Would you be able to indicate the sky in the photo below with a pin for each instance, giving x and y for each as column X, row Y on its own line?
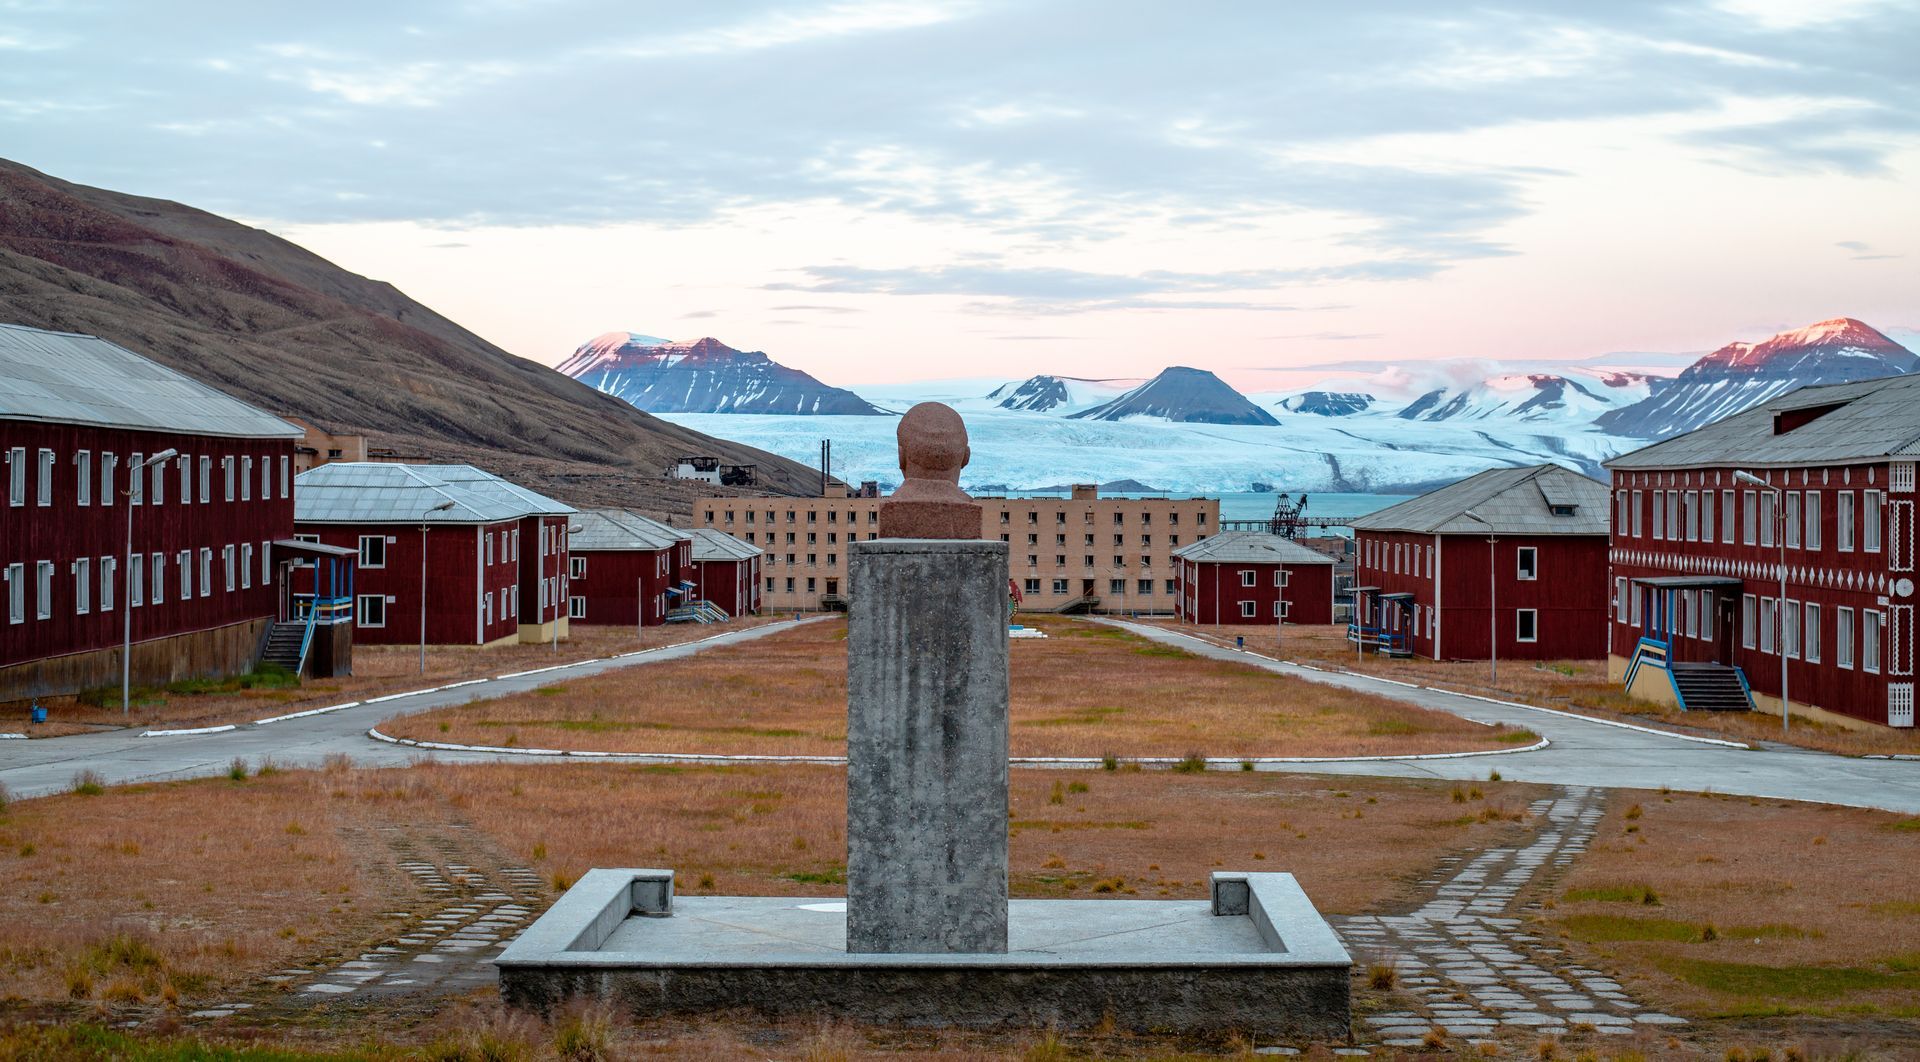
column 880, row 191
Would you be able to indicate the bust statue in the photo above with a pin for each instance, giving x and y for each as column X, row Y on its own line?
column 930, row 503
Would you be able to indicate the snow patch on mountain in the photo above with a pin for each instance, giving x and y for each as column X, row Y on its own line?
column 1185, row 396
column 703, row 376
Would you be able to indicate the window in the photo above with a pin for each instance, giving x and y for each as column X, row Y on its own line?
column 1659, row 514
column 226, row 470
column 246, row 565
column 206, row 479
column 576, row 608
column 1749, row 515
column 1529, row 559
column 1870, row 641
column 1707, row 502
column 1116, row 586
column 107, row 463
column 516, row 545
column 1768, row 506
column 1620, row 499
column 1790, row 628
column 136, row 485
column 1281, row 576
column 107, row 571
column 136, row 580
column 1708, row 601
column 246, row 479
column 1247, row 609
column 1173, row 586
column 1281, row 609
column 266, row 563
column 577, row 567
column 488, row 537
column 82, row 586
column 1843, row 521
column 1638, row 509
column 1746, row 621
column 159, row 484
column 185, row 560
column 1689, row 617
column 286, row 476
column 1620, row 599
column 1526, row 625
column 1726, row 517
column 1673, row 515
column 1843, row 638
column 1690, row 516
column 1247, row 577
column 266, row 479
column 1810, row 620
column 157, row 591
column 1812, row 506
column 1144, row 586
column 1635, row 610
column 370, row 610
column 1793, row 519
column 83, row 477
column 185, row 464
column 1059, row 586
column 1769, row 614
column 486, row 608
column 43, row 590
column 16, row 593
column 1870, row 521
column 44, row 494
column 226, row 558
column 373, row 551
column 1032, row 586
column 17, row 476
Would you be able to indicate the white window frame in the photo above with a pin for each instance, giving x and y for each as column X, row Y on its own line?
column 379, row 540
column 109, row 463
column 1810, row 632
column 227, row 554
column 1793, row 519
column 1620, row 599
column 1526, row 563
column 246, row 565
column 1870, row 623
column 43, row 479
column 1282, row 577
column 1769, row 619
column 1729, row 516
column 1248, row 577
column 360, row 603
column 17, row 476
column 286, row 476
column 109, row 571
column 577, row 565
column 1790, row 627
column 1249, row 609
column 157, row 494
column 206, row 571
column 1531, row 617
column 16, row 593
column 1639, row 513
column 206, row 478
column 157, row 583
column 226, row 471
column 1845, row 530
column 1810, row 512
column 266, row 563
column 1872, row 520
column 1709, row 500
column 136, row 483
column 82, row 585
column 1749, row 621
column 83, row 477
column 1843, row 638
column 136, row 580
column 1769, row 509
column 185, row 463
column 43, row 589
column 1659, row 516
column 266, row 478
column 185, row 560
column 246, row 477
column 1749, row 517
column 576, row 607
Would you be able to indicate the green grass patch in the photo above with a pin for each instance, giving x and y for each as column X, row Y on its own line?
column 1392, row 728
column 834, row 876
column 1639, row 893
column 550, row 691
column 1517, row 737
column 1785, row 983
column 1155, row 649
column 609, row 726
column 1597, row 928
column 1077, row 824
column 1896, row 907
column 1083, row 717
column 1904, row 825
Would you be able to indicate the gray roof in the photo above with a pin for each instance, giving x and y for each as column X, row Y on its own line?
column 711, row 545
column 67, row 378
column 379, row 492
column 620, row 529
column 1514, row 500
column 1876, row 419
column 1255, row 547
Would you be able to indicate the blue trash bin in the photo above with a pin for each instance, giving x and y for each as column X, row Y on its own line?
column 38, row 714
column 1239, row 642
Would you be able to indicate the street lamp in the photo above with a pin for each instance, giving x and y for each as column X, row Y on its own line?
column 126, row 606
column 1493, row 614
column 440, row 508
column 558, row 582
column 1780, row 605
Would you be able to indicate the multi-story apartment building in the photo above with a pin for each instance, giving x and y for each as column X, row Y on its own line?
column 1698, row 552
column 1078, row 552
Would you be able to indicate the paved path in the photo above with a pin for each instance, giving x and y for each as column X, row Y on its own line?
column 43, row 766
column 1589, row 752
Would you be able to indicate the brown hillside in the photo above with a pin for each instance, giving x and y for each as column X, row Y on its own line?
column 283, row 328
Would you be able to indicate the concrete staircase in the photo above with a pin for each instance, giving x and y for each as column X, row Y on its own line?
column 1710, row 688
column 698, row 612
column 284, row 642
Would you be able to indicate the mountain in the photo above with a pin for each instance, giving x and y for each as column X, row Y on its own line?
column 1183, row 395
column 272, row 323
column 1739, row 376
column 1531, row 397
column 1328, row 403
column 1057, row 394
column 703, row 376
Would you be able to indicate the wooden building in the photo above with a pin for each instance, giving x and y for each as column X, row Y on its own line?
column 1512, row 559
column 726, row 572
column 1253, row 577
column 195, row 577
column 1697, row 556
column 446, row 553
column 627, row 569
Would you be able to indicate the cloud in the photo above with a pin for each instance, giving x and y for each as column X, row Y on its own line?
column 805, row 308
column 700, row 313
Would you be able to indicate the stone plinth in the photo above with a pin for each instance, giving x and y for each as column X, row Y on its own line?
column 927, row 747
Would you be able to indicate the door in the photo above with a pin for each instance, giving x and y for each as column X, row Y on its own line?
column 1725, row 623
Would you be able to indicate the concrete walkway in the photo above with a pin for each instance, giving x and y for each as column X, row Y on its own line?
column 1592, row 752
column 41, row 767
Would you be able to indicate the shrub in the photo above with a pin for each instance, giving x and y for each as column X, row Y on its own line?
column 584, row 1037
column 1382, row 975
column 89, row 783
column 1493, row 776
column 5, row 798
column 1058, row 795
column 237, row 770
column 1191, row 763
column 1246, row 765
column 1109, row 762
column 1076, row 787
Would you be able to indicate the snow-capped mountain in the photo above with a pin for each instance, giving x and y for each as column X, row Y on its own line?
column 1531, row 397
column 1185, row 396
column 1328, row 403
column 703, row 376
column 1058, row 394
column 1739, row 376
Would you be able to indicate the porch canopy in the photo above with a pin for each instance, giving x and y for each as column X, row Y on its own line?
column 312, row 550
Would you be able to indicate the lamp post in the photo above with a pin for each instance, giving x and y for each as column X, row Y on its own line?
column 1493, row 589
column 1779, row 605
column 440, row 508
column 558, row 582
column 126, row 606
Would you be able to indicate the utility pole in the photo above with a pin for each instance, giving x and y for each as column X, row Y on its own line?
column 1493, row 590
column 1780, row 605
column 126, row 606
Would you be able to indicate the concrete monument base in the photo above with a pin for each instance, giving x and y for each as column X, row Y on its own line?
column 1258, row 960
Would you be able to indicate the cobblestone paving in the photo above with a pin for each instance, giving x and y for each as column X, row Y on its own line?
column 1467, row 957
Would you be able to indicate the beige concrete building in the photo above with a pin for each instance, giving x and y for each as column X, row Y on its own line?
column 1063, row 554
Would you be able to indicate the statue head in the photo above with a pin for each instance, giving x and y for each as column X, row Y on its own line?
column 933, row 444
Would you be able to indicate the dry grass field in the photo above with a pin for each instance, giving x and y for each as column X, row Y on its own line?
column 1573, row 685
column 1743, row 908
column 1086, row 690
column 378, row 669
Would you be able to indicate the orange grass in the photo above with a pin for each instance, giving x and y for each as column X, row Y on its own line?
column 1812, row 907
column 183, row 888
column 378, row 669
column 1573, row 685
column 1086, row 690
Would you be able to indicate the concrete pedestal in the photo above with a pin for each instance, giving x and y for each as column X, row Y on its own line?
column 927, row 747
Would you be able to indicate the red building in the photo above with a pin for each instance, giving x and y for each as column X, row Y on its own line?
column 491, row 553
column 1253, row 577
column 1513, row 559
column 196, row 579
column 1697, row 557
column 626, row 568
column 726, row 572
